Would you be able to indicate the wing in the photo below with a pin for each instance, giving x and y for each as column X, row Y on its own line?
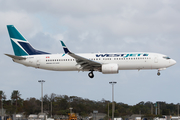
column 86, row 64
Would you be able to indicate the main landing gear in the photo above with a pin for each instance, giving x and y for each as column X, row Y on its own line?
column 91, row 75
column 158, row 73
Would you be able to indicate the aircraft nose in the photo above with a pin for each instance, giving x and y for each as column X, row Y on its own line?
column 173, row 62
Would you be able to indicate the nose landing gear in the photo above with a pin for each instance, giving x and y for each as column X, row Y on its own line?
column 158, row 73
column 91, row 75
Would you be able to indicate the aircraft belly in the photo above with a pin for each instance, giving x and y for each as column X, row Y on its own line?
column 132, row 65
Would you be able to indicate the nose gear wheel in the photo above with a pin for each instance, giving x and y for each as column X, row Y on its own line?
column 158, row 73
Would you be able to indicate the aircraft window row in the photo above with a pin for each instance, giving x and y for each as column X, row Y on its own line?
column 60, row 60
column 103, row 59
column 106, row 58
column 131, row 58
column 94, row 58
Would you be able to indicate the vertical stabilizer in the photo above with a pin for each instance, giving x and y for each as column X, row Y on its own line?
column 20, row 45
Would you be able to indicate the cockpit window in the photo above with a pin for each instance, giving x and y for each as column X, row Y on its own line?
column 165, row 57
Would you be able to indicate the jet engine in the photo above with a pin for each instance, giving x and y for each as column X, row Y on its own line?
column 110, row 68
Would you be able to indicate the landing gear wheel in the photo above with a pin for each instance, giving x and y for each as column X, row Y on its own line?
column 158, row 73
column 91, row 75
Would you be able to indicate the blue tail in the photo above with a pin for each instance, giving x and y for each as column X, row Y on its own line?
column 20, row 45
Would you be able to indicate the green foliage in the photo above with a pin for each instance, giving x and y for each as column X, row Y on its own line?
column 62, row 103
column 31, row 106
column 15, row 97
column 2, row 95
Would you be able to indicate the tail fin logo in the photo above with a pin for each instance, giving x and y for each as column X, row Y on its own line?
column 20, row 45
column 18, row 49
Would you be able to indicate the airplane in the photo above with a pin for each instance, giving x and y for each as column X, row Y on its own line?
column 107, row 63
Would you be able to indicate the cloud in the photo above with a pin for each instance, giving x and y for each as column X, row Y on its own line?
column 22, row 20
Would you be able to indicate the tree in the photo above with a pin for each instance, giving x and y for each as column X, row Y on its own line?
column 15, row 96
column 46, row 103
column 2, row 97
column 51, row 99
column 32, row 106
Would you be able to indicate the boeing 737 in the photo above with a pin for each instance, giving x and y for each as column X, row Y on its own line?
column 107, row 63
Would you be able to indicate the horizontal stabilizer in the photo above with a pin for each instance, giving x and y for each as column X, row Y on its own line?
column 16, row 57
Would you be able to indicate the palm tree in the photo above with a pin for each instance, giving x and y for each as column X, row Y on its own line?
column 15, row 96
column 2, row 96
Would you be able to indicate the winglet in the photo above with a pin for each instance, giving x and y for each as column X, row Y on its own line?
column 66, row 50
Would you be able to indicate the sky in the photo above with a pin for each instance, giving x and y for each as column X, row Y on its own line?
column 89, row 26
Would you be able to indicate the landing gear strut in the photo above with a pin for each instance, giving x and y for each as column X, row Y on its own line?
column 158, row 73
column 91, row 75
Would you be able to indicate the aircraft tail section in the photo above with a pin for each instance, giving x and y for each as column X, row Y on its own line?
column 20, row 45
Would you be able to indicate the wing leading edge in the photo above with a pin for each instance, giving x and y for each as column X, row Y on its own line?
column 86, row 64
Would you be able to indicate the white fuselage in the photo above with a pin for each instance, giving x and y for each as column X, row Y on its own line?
column 125, row 61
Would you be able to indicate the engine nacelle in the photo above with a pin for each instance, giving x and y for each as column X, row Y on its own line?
column 110, row 68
